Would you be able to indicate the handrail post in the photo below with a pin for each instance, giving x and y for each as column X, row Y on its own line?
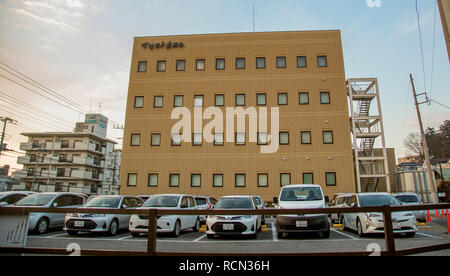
column 152, row 224
column 389, row 231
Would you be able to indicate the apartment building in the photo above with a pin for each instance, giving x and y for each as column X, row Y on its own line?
column 298, row 75
column 82, row 161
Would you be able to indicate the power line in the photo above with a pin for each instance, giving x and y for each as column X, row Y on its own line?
column 421, row 44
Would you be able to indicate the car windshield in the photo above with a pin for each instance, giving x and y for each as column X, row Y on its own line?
column 234, row 203
column 104, row 202
column 162, row 201
column 200, row 201
column 378, row 200
column 36, row 200
column 407, row 198
column 301, row 194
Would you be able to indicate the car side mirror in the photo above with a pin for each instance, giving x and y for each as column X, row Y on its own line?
column 55, row 204
column 3, row 204
column 124, row 206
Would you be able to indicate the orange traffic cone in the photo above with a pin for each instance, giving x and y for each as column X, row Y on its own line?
column 436, row 213
column 428, row 216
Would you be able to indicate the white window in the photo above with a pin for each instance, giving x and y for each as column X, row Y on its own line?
column 240, row 138
column 198, row 101
column 196, row 180
column 240, row 180
column 240, row 99
column 200, row 64
column 262, row 138
column 176, row 139
column 139, row 102
column 135, row 139
column 218, row 139
column 197, row 139
column 158, row 101
column 178, row 101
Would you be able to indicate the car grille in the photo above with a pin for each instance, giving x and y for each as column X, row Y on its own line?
column 238, row 227
column 88, row 224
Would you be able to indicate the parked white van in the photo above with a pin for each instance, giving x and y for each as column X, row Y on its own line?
column 302, row 197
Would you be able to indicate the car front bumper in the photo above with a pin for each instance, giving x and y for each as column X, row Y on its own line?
column 403, row 225
column 164, row 224
column 307, row 224
column 100, row 224
column 243, row 226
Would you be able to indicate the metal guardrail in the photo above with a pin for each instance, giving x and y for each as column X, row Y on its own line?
column 152, row 229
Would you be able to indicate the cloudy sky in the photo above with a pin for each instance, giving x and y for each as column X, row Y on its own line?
column 81, row 49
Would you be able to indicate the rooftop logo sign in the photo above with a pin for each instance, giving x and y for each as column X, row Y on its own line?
column 159, row 45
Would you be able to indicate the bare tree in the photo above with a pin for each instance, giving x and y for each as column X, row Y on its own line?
column 413, row 144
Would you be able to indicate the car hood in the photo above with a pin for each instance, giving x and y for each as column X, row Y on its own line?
column 301, row 204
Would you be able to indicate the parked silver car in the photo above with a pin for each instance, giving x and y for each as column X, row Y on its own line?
column 109, row 223
column 412, row 199
column 10, row 198
column 41, row 222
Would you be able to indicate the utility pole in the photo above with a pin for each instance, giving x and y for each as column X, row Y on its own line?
column 431, row 183
column 5, row 121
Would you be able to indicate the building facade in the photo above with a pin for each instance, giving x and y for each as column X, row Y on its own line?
column 299, row 75
column 82, row 161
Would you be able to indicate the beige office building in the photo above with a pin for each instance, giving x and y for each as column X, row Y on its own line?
column 301, row 73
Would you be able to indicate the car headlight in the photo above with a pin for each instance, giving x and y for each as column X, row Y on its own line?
column 373, row 215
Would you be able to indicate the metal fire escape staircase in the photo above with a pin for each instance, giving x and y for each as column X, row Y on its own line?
column 367, row 127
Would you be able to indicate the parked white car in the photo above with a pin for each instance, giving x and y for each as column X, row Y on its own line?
column 234, row 224
column 339, row 201
column 302, row 197
column 41, row 222
column 173, row 224
column 108, row 223
column 412, row 199
column 369, row 223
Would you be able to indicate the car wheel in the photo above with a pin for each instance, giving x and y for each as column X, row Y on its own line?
column 410, row 234
column 359, row 228
column 136, row 235
column 42, row 226
column 177, row 229
column 279, row 234
column 197, row 225
column 113, row 227
column 72, row 232
column 325, row 234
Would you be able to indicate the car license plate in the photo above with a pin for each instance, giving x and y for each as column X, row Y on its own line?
column 79, row 224
column 228, row 227
column 396, row 226
column 301, row 223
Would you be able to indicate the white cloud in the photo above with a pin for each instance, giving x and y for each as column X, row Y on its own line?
column 61, row 25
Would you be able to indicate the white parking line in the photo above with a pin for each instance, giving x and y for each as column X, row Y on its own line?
column 56, row 235
column 343, row 234
column 124, row 238
column 274, row 232
column 429, row 236
column 199, row 238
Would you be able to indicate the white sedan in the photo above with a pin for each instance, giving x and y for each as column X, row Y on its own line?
column 173, row 224
column 370, row 223
column 234, row 224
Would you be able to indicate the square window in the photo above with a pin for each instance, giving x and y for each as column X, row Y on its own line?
column 198, row 100
column 240, row 138
column 262, row 138
column 135, row 139
column 218, row 180
column 181, row 65
column 198, row 137
column 161, row 66
column 174, row 180
column 200, row 64
column 306, row 137
column 139, row 102
column 218, row 139
column 284, row 138
column 132, row 179
column 328, row 137
column 240, row 99
column 325, row 97
column 260, row 62
column 330, row 178
column 176, row 139
column 303, row 98
column 281, row 62
column 156, row 139
column 219, row 100
column 178, row 101
column 282, row 99
column 153, row 180
column 240, row 63
column 142, row 66
column 308, row 178
column 196, row 180
column 220, row 64
column 261, row 99
column 322, row 61
column 285, row 179
column 239, row 180
column 158, row 103
column 263, row 180
column 301, row 61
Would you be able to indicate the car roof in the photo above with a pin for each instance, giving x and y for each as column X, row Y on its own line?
column 371, row 194
column 16, row 192
column 301, row 185
column 406, row 193
column 237, row 196
column 172, row 195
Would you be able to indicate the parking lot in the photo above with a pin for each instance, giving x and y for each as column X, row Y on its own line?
column 267, row 242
